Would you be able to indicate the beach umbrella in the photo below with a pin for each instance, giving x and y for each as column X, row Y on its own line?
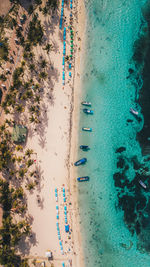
column 62, row 252
column 60, row 243
column 57, row 217
column 67, row 228
column 69, row 65
column 56, row 194
column 57, row 223
column 63, row 194
column 69, row 73
column 57, row 207
column 64, row 199
column 65, row 212
column 59, row 237
column 55, row 189
column 63, row 264
column 65, row 207
column 71, row 41
column 63, row 189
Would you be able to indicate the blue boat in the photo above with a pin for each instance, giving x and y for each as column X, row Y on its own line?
column 87, row 129
column 84, row 147
column 81, row 161
column 84, row 103
column 88, row 111
column 83, row 179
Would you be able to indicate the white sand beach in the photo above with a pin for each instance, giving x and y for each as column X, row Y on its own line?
column 53, row 147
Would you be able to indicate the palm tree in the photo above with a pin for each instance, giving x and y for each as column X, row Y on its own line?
column 32, row 67
column 30, row 162
column 37, row 99
column 45, row 11
column 32, row 119
column 30, row 186
column 43, row 63
column 29, row 152
column 48, row 48
column 19, row 148
column 38, row 2
column 43, row 75
column 19, row 108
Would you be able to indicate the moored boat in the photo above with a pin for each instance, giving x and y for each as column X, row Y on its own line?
column 84, row 147
column 83, row 179
column 85, row 103
column 87, row 129
column 133, row 111
column 80, row 161
column 142, row 184
column 88, row 111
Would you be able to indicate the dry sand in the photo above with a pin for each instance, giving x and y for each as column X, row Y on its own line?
column 58, row 140
column 4, row 7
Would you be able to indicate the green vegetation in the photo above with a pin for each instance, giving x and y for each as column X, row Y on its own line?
column 35, row 33
column 4, row 49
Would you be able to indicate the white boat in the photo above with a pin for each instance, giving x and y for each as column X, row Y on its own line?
column 142, row 184
column 85, row 103
column 133, row 111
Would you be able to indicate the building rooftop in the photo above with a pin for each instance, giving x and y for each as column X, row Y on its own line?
column 19, row 134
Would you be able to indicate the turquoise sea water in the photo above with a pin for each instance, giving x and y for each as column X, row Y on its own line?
column 114, row 209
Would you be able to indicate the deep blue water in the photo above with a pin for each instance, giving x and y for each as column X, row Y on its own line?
column 114, row 208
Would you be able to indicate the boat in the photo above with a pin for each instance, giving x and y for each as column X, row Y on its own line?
column 83, row 179
column 133, row 111
column 142, row 184
column 87, row 129
column 85, row 103
column 80, row 161
column 84, row 147
column 88, row 111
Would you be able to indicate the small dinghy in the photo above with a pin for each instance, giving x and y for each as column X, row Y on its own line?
column 133, row 111
column 87, row 129
column 84, row 147
column 81, row 161
column 83, row 179
column 84, row 103
column 142, row 184
column 88, row 111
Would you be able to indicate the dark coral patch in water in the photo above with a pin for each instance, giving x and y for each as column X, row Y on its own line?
column 120, row 149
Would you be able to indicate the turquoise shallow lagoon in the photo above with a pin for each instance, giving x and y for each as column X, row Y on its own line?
column 114, row 208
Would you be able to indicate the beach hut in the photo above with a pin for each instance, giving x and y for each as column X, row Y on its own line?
column 19, row 134
column 48, row 255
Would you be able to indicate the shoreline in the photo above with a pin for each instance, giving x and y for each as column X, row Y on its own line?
column 79, row 57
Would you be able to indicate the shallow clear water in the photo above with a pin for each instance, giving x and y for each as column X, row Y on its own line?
column 112, row 28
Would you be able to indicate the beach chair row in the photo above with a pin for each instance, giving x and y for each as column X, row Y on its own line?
column 61, row 16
